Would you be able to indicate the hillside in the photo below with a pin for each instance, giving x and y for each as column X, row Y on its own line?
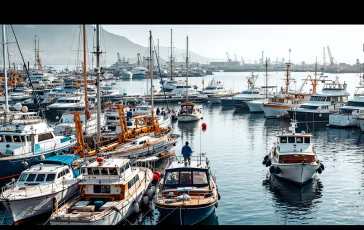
column 58, row 45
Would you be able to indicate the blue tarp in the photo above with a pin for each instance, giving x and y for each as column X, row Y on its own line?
column 60, row 159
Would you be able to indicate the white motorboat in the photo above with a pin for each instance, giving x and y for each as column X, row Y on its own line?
column 42, row 187
column 348, row 115
column 293, row 156
column 110, row 191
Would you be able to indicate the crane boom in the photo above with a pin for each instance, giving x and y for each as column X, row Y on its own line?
column 228, row 57
column 119, row 59
column 330, row 56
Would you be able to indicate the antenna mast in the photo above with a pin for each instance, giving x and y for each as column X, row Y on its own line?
column 288, row 65
column 171, row 56
column 85, row 77
column 187, row 73
column 266, row 77
column 98, row 73
column 5, row 74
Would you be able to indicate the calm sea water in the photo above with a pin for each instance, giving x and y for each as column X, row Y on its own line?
column 236, row 142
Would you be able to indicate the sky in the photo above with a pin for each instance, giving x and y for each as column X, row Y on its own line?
column 248, row 41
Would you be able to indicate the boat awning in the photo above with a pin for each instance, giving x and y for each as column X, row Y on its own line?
column 60, row 159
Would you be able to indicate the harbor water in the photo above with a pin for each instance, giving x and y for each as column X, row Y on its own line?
column 236, row 142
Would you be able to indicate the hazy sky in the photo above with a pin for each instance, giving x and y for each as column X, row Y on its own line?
column 248, row 41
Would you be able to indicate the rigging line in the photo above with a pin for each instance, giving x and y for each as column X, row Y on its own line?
column 31, row 84
column 74, row 32
column 160, row 75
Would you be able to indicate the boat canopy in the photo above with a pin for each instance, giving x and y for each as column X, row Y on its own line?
column 60, row 159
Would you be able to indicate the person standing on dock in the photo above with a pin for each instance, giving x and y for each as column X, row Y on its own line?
column 158, row 111
column 187, row 153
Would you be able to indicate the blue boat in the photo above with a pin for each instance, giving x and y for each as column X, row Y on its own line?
column 187, row 193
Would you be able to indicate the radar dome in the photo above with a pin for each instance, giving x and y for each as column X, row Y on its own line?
column 18, row 106
column 24, row 109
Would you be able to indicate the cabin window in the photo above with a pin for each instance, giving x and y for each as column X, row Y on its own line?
column 8, row 138
column 104, row 171
column 22, row 138
column 172, row 178
column 185, row 178
column 16, row 138
column 298, row 139
column 283, row 139
column 23, row 177
column 66, row 171
column 96, row 171
column 291, row 139
column 51, row 177
column 127, row 167
column 45, row 136
column 31, row 177
column 28, row 138
column 60, row 174
column 133, row 181
column 40, row 177
column 121, row 170
column 199, row 177
column 101, row 188
column 113, row 171
column 2, row 139
column 89, row 171
column 307, row 140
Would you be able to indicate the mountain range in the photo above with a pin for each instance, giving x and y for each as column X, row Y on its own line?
column 63, row 45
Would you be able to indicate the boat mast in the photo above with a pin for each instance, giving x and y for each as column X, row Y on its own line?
column 266, row 77
column 151, row 73
column 315, row 81
column 98, row 72
column 171, row 56
column 187, row 72
column 288, row 65
column 5, row 74
column 85, row 76
column 35, row 52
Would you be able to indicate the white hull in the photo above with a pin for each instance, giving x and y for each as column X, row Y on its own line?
column 340, row 120
column 271, row 112
column 255, row 106
column 21, row 209
column 188, row 118
column 297, row 173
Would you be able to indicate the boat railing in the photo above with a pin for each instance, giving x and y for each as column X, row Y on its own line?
column 33, row 189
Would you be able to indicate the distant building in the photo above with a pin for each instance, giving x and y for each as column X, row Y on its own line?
column 225, row 64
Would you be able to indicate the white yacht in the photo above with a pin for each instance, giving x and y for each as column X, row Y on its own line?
column 139, row 72
column 69, row 103
column 348, row 115
column 293, row 156
column 215, row 87
column 332, row 97
column 66, row 124
column 189, row 112
column 110, row 191
column 25, row 138
column 178, row 87
column 41, row 187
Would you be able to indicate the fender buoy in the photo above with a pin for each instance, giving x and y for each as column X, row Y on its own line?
column 271, row 169
column 277, row 170
column 217, row 204
column 218, row 196
column 264, row 162
column 266, row 157
column 158, row 173
column 269, row 162
column 136, row 208
column 322, row 166
column 319, row 170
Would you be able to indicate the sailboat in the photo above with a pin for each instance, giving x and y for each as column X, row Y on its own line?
column 145, row 139
column 188, row 112
column 66, row 123
column 25, row 137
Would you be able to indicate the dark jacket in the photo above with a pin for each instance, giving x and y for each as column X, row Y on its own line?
column 186, row 151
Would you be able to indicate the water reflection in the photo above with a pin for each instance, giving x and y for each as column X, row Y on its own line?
column 188, row 129
column 339, row 135
column 210, row 220
column 293, row 201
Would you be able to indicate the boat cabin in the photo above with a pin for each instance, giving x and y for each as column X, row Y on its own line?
column 108, row 180
column 294, row 148
column 188, row 107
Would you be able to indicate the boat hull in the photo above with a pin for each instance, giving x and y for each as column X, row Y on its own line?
column 297, row 173
column 185, row 215
column 275, row 111
column 139, row 76
column 23, row 210
column 340, row 120
column 361, row 124
column 310, row 117
column 226, row 102
column 255, row 107
column 188, row 118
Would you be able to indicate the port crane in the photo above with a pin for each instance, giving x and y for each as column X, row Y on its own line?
column 119, row 59
column 242, row 61
column 228, row 57
column 330, row 56
column 139, row 59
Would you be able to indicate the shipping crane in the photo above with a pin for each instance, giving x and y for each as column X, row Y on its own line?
column 330, row 56
column 242, row 61
column 228, row 57
column 119, row 59
column 138, row 57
